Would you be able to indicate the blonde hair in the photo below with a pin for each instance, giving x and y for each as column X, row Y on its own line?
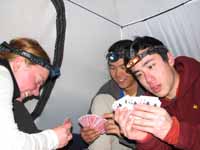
column 26, row 44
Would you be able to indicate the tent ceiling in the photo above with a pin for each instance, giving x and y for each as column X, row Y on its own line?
column 124, row 12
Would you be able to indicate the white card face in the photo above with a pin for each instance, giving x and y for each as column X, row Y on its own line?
column 151, row 100
column 130, row 101
column 133, row 100
column 116, row 105
column 120, row 103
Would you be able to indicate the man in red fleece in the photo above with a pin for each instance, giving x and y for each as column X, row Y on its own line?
column 176, row 124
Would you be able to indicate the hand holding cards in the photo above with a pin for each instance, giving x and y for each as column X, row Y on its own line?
column 93, row 121
column 129, row 101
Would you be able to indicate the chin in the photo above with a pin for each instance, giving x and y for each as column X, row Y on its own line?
column 122, row 86
column 20, row 99
column 161, row 95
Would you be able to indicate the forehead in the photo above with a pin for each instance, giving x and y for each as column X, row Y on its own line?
column 119, row 62
column 41, row 71
column 146, row 60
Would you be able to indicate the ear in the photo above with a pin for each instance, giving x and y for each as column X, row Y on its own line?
column 17, row 63
column 170, row 58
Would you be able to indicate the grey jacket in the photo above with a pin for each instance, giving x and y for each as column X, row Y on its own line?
column 111, row 87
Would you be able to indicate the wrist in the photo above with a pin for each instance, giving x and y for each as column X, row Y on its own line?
column 173, row 134
column 146, row 138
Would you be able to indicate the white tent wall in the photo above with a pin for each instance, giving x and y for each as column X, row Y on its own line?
column 29, row 19
column 178, row 29
column 88, row 36
column 84, row 68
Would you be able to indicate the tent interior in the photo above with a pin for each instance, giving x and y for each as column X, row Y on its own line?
column 91, row 27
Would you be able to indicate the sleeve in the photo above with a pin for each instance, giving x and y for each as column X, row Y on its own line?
column 103, row 104
column 127, row 142
column 110, row 88
column 189, row 133
column 189, row 136
column 10, row 137
column 153, row 144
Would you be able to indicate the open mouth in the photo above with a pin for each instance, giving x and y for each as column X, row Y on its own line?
column 156, row 89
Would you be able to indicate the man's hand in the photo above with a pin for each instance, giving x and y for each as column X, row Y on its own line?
column 63, row 133
column 111, row 126
column 125, row 120
column 89, row 134
column 155, row 120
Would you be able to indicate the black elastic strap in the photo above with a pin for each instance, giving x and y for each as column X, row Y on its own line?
column 58, row 56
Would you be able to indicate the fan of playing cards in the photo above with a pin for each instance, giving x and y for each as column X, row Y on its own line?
column 129, row 101
column 93, row 121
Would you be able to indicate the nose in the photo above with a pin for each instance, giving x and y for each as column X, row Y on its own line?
column 120, row 72
column 149, row 78
column 36, row 92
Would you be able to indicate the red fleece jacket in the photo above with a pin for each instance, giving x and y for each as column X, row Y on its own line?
column 185, row 107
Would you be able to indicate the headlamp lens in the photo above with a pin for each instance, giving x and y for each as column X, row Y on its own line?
column 112, row 57
column 133, row 62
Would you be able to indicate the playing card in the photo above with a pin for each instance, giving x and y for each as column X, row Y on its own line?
column 83, row 120
column 99, row 125
column 121, row 103
column 130, row 101
column 150, row 100
column 133, row 100
column 93, row 121
column 116, row 105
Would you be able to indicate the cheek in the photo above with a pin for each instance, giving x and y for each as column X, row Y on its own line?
column 130, row 78
column 27, row 82
column 112, row 73
column 144, row 83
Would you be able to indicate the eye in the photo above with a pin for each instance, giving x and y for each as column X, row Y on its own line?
column 39, row 81
column 123, row 67
column 111, row 67
column 151, row 66
column 138, row 75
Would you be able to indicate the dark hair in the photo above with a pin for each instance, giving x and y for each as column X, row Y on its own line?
column 140, row 43
column 122, row 45
column 118, row 50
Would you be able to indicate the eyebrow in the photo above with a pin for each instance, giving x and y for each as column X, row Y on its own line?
column 115, row 66
column 136, row 71
column 147, row 62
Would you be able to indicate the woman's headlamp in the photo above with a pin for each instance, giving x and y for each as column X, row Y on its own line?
column 135, row 58
column 54, row 72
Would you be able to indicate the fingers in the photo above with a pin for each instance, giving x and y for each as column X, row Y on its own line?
column 121, row 117
column 145, row 118
column 128, row 128
column 108, row 115
column 112, row 128
column 148, row 108
column 63, row 133
column 109, row 123
column 67, row 124
column 69, row 137
column 89, row 134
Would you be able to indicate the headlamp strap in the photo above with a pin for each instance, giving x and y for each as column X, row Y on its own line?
column 54, row 72
column 138, row 57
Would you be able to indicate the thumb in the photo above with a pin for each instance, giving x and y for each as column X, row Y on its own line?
column 67, row 123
